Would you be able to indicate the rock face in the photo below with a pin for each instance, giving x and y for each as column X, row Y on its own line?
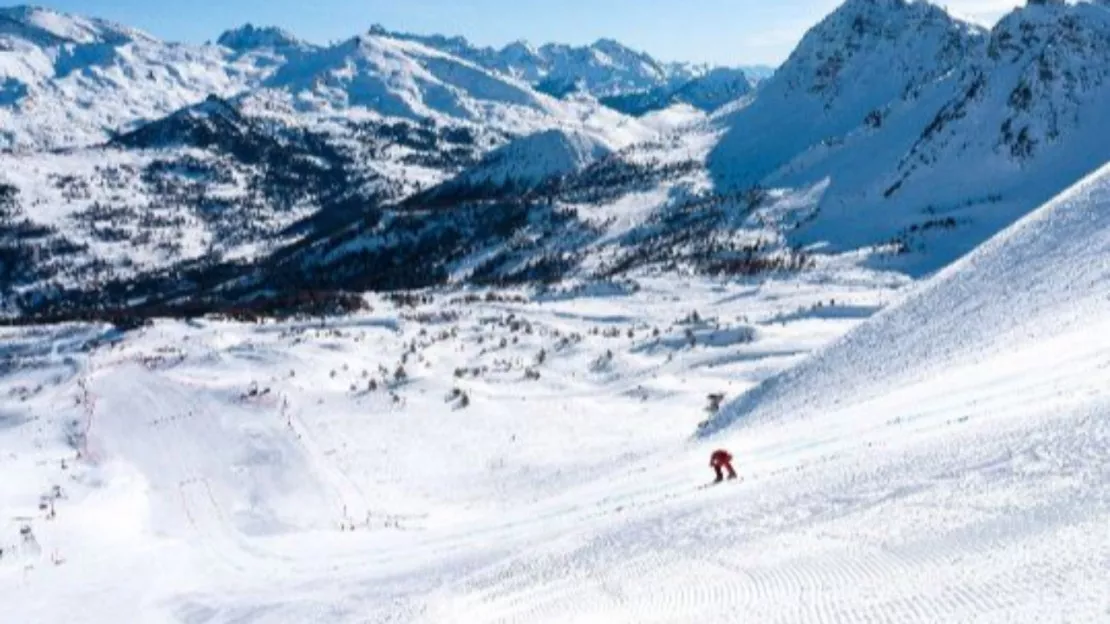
column 249, row 37
column 1040, row 86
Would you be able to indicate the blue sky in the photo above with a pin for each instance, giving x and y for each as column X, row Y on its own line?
column 720, row 31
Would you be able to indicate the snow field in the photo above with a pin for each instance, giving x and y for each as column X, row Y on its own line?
column 184, row 471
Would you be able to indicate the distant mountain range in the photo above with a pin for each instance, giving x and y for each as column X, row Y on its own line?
column 67, row 80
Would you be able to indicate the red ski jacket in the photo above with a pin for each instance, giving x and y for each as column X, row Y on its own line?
column 720, row 458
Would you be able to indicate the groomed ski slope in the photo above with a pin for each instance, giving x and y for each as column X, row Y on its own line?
column 947, row 460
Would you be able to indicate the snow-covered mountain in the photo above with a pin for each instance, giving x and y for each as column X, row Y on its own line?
column 205, row 184
column 68, row 81
column 1030, row 113
column 630, row 81
column 707, row 93
column 396, row 78
column 716, row 88
column 206, row 178
column 266, row 48
column 603, row 68
column 864, row 56
column 209, row 184
column 529, row 161
column 894, row 136
column 757, row 73
column 958, row 150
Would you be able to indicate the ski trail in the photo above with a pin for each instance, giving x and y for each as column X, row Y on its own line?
column 352, row 501
column 811, row 556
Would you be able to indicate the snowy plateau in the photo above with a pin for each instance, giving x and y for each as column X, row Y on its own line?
column 402, row 329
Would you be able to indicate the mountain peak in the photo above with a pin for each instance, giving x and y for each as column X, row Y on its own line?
column 871, row 5
column 605, row 67
column 606, row 43
column 881, row 9
column 863, row 57
column 457, row 45
column 912, row 41
column 251, row 37
column 519, row 49
column 1032, row 26
column 44, row 26
column 617, row 50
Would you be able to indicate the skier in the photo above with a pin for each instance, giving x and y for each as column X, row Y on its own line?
column 721, row 459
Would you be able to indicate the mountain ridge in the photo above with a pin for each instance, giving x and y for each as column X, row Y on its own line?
column 896, row 137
